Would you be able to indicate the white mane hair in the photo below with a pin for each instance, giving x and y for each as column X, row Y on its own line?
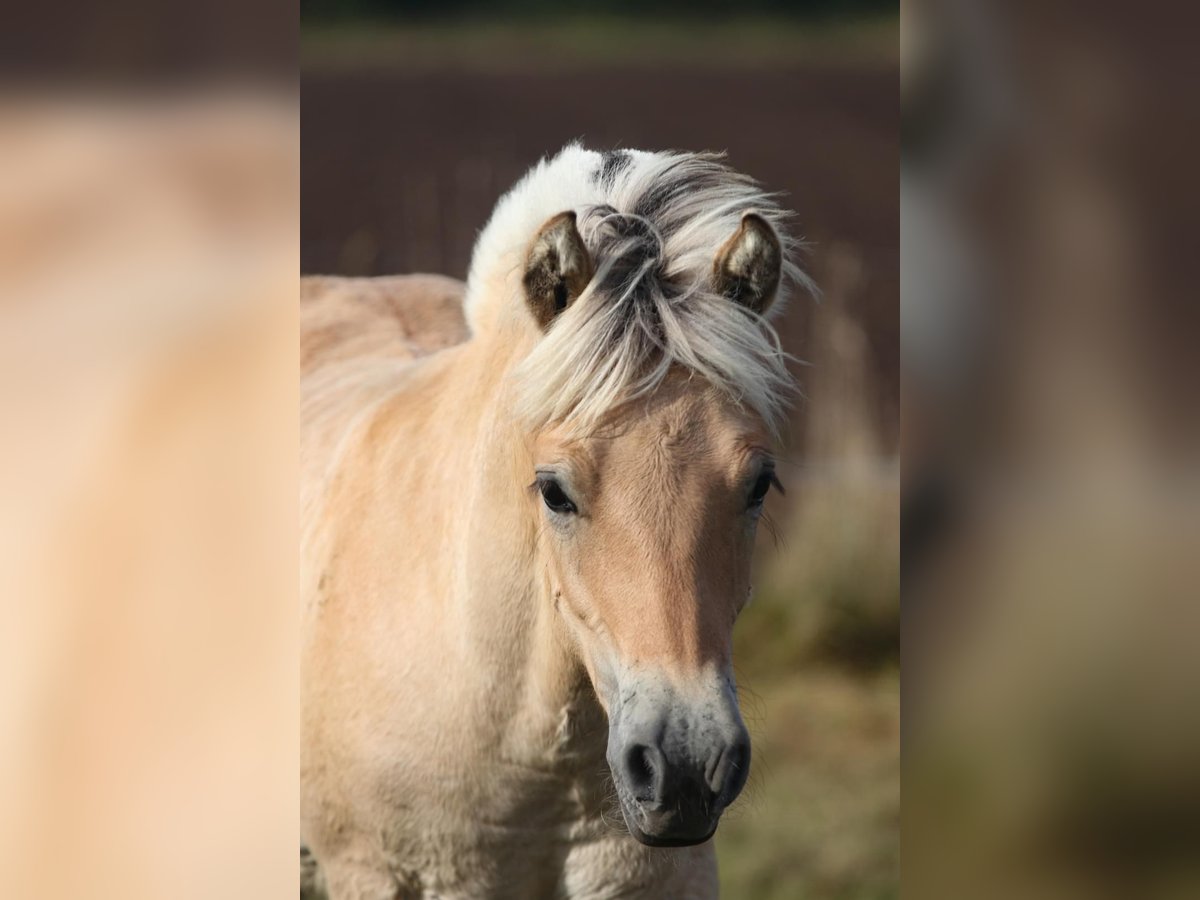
column 653, row 224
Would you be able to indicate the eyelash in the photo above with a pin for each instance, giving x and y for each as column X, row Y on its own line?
column 762, row 486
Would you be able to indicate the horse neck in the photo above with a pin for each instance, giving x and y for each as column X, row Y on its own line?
column 517, row 640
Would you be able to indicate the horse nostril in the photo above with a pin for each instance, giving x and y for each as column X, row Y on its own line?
column 643, row 771
column 728, row 775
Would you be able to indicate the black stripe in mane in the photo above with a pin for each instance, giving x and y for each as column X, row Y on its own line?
column 612, row 164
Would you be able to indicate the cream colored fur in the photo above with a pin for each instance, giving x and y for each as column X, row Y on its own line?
column 458, row 648
column 452, row 746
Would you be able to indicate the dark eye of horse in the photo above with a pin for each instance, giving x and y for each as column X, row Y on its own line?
column 555, row 497
column 761, row 486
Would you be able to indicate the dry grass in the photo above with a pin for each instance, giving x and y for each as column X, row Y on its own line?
column 821, row 815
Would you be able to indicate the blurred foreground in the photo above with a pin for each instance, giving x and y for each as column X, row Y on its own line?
column 148, row 530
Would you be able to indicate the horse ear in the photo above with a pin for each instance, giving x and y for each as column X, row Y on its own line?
column 748, row 266
column 557, row 268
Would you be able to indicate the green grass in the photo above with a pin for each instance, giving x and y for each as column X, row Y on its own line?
column 482, row 44
column 830, row 591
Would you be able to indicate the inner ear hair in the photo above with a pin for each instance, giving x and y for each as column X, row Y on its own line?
column 557, row 268
column 748, row 266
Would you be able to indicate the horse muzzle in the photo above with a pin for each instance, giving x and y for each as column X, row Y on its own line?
column 677, row 761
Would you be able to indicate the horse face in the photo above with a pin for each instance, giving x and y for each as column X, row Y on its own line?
column 647, row 533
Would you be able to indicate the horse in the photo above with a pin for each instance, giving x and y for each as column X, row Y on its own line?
column 528, row 511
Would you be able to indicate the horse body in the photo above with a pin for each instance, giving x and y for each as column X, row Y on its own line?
column 501, row 791
column 467, row 684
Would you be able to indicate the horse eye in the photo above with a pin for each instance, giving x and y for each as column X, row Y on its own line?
column 761, row 486
column 555, row 497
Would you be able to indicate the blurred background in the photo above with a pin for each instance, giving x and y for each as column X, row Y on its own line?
column 418, row 116
column 1051, row 485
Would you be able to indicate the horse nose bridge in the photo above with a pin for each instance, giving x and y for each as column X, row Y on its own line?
column 679, row 622
column 683, row 595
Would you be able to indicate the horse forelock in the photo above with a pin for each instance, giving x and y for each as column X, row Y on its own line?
column 653, row 224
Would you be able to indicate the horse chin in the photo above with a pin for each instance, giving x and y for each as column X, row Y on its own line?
column 667, row 840
column 669, row 837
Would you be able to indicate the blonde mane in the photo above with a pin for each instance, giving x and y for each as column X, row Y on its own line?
column 653, row 224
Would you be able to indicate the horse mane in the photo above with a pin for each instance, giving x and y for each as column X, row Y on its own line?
column 653, row 223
